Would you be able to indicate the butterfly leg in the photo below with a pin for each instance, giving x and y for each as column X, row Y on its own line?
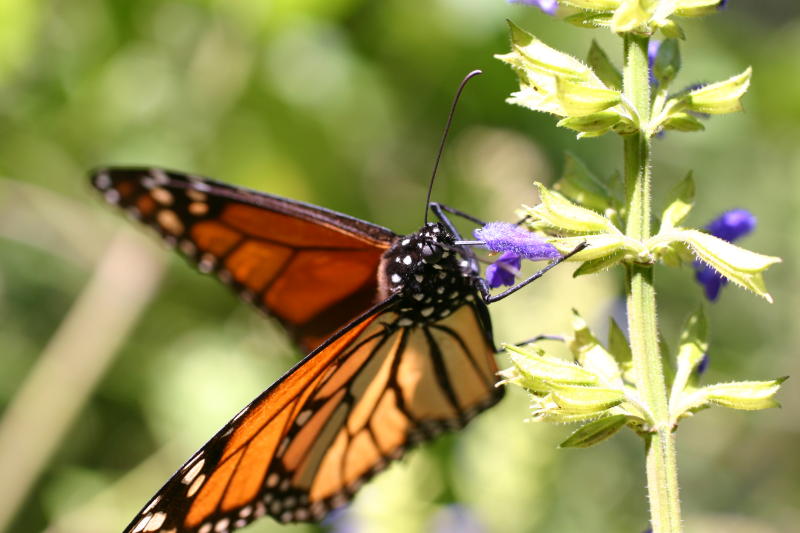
column 490, row 298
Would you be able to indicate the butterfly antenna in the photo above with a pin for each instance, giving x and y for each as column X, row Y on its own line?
column 444, row 137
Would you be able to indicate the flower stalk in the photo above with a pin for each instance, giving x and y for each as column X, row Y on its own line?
column 662, row 475
column 625, row 383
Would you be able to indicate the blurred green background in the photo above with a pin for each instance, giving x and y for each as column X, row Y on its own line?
column 118, row 360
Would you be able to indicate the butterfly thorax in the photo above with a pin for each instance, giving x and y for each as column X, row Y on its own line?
column 429, row 274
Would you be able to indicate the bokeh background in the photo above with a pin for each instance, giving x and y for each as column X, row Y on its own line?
column 117, row 360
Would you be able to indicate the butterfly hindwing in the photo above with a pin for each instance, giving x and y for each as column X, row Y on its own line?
column 306, row 444
column 312, row 268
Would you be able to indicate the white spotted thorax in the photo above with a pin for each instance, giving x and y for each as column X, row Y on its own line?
column 427, row 271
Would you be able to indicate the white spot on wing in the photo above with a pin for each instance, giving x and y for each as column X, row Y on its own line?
column 102, row 181
column 194, row 487
column 111, row 196
column 155, row 523
column 193, row 471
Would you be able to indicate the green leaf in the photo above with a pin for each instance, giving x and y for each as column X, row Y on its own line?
column 595, row 432
column 721, row 97
column 617, row 343
column 683, row 195
column 603, row 67
column 668, row 62
column 580, row 185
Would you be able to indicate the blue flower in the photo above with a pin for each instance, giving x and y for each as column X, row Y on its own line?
column 504, row 270
column 516, row 244
column 702, row 365
column 505, row 237
column 652, row 53
column 548, row 6
column 730, row 226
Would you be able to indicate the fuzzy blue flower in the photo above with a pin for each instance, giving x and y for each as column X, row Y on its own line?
column 503, row 271
column 505, row 237
column 516, row 244
column 730, row 226
column 548, row 6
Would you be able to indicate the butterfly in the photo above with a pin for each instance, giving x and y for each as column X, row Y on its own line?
column 398, row 330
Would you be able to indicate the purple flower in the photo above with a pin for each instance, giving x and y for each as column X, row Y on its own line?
column 548, row 6
column 505, row 237
column 504, row 270
column 702, row 365
column 652, row 53
column 722, row 4
column 730, row 226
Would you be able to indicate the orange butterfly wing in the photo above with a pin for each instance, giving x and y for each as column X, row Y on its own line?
column 311, row 268
column 306, row 444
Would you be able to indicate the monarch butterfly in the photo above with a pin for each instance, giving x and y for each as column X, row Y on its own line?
column 398, row 330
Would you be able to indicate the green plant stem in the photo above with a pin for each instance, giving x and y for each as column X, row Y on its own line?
column 662, row 475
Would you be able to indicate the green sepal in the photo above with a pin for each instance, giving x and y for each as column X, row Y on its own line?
column 718, row 98
column 581, row 399
column 740, row 266
column 601, row 246
column 598, row 265
column 693, row 347
column 744, row 395
column 603, row 67
column 696, row 8
column 560, row 213
column 592, row 125
column 672, row 30
column 591, row 355
column 590, row 19
column 679, row 208
column 595, row 432
column 579, row 98
column 580, row 185
column 668, row 62
column 593, row 5
column 533, row 368
column 630, row 16
column 681, row 121
column 618, row 344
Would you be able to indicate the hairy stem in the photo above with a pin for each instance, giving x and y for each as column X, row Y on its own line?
column 662, row 475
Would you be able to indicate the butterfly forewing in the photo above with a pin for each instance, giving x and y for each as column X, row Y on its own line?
column 341, row 415
column 312, row 268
